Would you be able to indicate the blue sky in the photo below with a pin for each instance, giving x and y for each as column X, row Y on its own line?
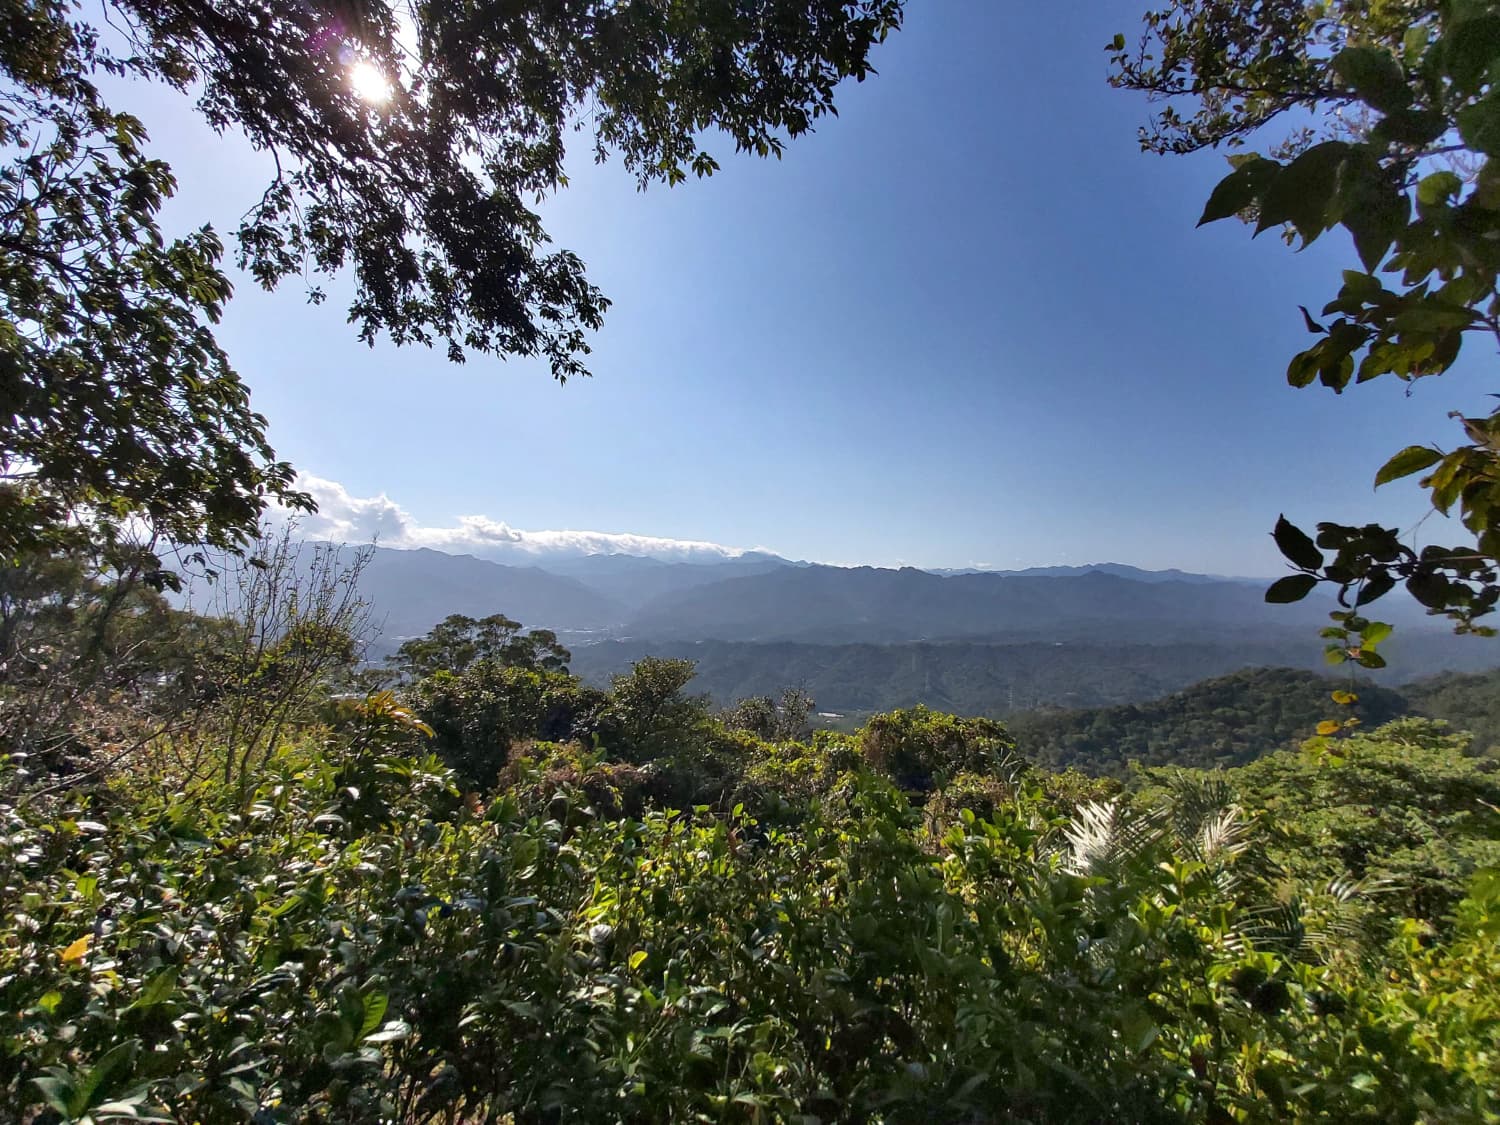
column 967, row 322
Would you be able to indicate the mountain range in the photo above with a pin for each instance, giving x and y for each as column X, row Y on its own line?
column 760, row 597
column 863, row 638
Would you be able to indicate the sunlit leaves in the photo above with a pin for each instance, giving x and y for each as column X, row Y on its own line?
column 1402, row 118
column 870, row 959
column 1412, row 459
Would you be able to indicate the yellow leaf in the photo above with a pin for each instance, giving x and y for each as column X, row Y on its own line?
column 1329, row 726
column 74, row 953
column 1345, row 697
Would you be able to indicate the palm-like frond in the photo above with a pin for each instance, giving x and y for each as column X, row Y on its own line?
column 1106, row 836
column 1312, row 926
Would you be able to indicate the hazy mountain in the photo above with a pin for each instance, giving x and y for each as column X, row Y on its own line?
column 841, row 605
column 411, row 591
column 1119, row 570
column 634, row 580
column 762, row 598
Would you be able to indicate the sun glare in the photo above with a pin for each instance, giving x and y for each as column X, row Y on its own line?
column 367, row 81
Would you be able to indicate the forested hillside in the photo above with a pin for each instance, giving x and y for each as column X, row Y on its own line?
column 1237, row 718
column 1470, row 703
column 999, row 680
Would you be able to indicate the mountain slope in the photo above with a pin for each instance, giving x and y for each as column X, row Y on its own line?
column 1000, row 679
column 633, row 581
column 865, row 604
column 411, row 591
column 1225, row 721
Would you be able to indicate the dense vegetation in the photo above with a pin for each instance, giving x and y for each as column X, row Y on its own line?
column 1237, row 718
column 498, row 892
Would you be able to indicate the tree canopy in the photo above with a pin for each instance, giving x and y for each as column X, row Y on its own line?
column 1392, row 116
column 459, row 641
column 411, row 143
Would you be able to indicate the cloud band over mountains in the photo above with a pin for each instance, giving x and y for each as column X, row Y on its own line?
column 344, row 518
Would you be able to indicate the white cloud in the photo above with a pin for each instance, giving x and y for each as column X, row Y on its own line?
column 343, row 518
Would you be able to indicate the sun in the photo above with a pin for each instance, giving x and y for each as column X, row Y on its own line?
column 367, row 81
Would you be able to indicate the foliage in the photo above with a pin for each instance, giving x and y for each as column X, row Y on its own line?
column 650, row 715
column 1467, row 703
column 459, row 641
column 93, row 660
column 775, row 720
column 479, row 713
column 1404, row 118
column 290, row 623
column 353, row 943
column 410, row 144
column 1235, row 719
column 1224, row 721
column 1401, row 810
column 118, row 400
column 921, row 749
column 1001, row 680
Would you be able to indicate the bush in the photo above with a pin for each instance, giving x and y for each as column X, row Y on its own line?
column 354, row 943
column 916, row 747
column 477, row 714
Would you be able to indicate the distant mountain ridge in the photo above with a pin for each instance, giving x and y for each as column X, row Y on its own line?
column 758, row 597
column 1119, row 570
column 410, row 591
column 867, row 604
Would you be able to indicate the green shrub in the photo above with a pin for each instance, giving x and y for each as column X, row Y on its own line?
column 478, row 713
column 355, row 943
column 916, row 747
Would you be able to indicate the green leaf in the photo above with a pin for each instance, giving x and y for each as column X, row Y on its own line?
column 1479, row 125
column 157, row 989
column 1375, row 212
column 97, row 1079
column 1469, row 50
column 1239, row 189
column 1137, row 1030
column 1301, row 192
column 1412, row 459
column 1416, row 127
column 57, row 1089
column 1303, row 369
column 1373, row 633
column 1369, row 658
column 1292, row 588
column 1294, row 543
column 637, row 959
column 1429, row 589
column 1438, row 188
column 1376, row 587
column 375, row 1004
column 1375, row 77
